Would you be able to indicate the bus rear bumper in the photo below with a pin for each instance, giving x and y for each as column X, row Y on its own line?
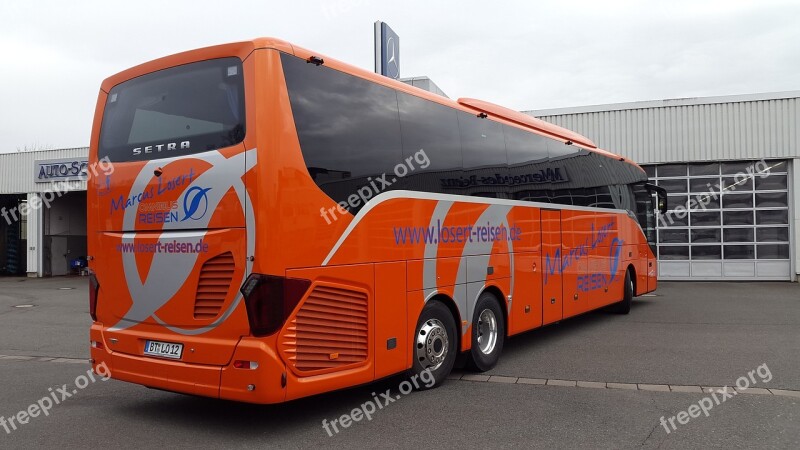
column 264, row 383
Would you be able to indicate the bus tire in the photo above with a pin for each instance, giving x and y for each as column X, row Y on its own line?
column 488, row 333
column 435, row 346
column 624, row 306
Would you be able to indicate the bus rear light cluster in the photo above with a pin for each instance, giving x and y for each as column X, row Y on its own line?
column 94, row 288
column 270, row 300
column 98, row 345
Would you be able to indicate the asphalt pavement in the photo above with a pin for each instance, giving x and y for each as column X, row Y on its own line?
column 608, row 381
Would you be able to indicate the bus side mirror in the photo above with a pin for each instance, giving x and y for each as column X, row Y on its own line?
column 662, row 204
column 660, row 198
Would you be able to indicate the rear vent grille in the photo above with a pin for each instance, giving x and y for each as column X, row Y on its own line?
column 213, row 287
column 329, row 331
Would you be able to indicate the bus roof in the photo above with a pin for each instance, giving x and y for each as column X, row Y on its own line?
column 525, row 120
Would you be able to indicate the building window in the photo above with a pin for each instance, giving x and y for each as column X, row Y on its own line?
column 734, row 212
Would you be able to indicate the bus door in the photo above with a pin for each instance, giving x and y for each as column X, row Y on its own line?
column 551, row 264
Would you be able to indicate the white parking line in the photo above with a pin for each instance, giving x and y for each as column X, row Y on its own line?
column 45, row 359
column 478, row 378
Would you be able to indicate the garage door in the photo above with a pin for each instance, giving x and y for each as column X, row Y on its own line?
column 727, row 221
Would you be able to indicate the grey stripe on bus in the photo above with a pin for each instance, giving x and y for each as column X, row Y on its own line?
column 250, row 227
column 391, row 195
column 169, row 271
column 475, row 267
column 429, row 280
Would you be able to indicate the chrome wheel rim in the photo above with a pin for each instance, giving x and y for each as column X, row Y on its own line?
column 432, row 344
column 487, row 331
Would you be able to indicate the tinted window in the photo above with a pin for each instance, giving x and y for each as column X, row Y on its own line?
column 482, row 143
column 737, row 184
column 351, row 129
column 433, row 129
column 673, row 186
column 704, row 169
column 733, row 168
column 616, row 196
column 706, row 252
column 584, row 197
column 669, row 253
column 704, row 185
column 702, row 219
column 739, row 252
column 737, row 218
column 772, row 217
column 524, row 147
column 483, row 153
column 673, row 236
column 737, row 200
column 772, row 234
column 675, row 201
column 706, row 235
column 738, row 235
column 529, row 166
column 671, row 170
column 348, row 127
column 561, row 196
column 178, row 111
column 773, row 251
column 533, row 196
column 772, row 182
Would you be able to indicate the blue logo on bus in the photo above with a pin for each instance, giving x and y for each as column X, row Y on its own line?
column 557, row 263
column 195, row 203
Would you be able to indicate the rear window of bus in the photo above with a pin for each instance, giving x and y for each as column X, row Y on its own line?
column 175, row 112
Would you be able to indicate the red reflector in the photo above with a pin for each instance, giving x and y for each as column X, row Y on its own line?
column 239, row 364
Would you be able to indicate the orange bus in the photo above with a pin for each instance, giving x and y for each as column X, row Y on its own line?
column 280, row 224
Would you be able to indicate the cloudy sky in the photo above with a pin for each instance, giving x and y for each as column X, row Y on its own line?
column 522, row 54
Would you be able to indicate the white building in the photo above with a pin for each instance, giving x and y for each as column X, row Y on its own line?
column 50, row 186
column 749, row 228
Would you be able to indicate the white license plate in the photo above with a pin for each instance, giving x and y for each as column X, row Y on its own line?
column 163, row 349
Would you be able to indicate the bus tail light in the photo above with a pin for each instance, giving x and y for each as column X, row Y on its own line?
column 270, row 300
column 94, row 288
column 240, row 364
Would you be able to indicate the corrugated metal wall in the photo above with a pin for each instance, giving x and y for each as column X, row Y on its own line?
column 690, row 129
column 16, row 170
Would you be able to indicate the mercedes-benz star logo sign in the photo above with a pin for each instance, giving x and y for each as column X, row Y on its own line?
column 392, row 70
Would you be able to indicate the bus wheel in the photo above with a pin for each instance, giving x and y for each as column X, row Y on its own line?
column 435, row 344
column 624, row 307
column 488, row 333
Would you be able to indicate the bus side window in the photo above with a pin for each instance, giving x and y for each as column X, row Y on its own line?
column 430, row 134
column 484, row 155
column 645, row 212
column 348, row 127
